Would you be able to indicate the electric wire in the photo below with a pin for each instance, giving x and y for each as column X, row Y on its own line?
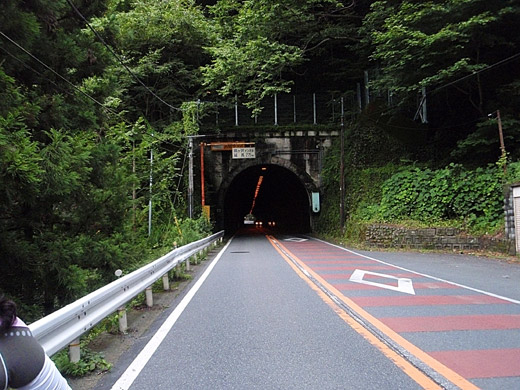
column 437, row 89
column 119, row 59
column 106, row 110
column 433, row 91
column 53, row 71
column 501, row 62
column 32, row 69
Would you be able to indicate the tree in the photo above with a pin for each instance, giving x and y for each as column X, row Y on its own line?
column 259, row 46
column 430, row 44
column 158, row 46
column 460, row 51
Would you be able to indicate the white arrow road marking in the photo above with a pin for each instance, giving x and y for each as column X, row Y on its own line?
column 404, row 285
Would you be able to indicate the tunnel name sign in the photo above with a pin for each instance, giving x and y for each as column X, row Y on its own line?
column 244, row 153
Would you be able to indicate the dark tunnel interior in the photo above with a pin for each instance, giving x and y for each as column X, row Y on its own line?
column 281, row 203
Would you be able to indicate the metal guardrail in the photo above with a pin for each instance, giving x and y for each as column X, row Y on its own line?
column 59, row 329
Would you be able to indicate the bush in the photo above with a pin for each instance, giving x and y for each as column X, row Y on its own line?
column 453, row 193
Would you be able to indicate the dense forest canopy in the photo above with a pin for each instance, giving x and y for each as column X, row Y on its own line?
column 90, row 90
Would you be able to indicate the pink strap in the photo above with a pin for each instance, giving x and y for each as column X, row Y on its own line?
column 18, row 322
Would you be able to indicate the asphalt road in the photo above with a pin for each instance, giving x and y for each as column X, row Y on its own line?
column 277, row 313
column 493, row 275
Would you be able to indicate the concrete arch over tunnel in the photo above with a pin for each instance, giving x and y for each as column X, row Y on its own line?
column 283, row 196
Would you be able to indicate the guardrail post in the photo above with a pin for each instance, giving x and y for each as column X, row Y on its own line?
column 166, row 282
column 74, row 351
column 123, row 321
column 188, row 264
column 53, row 332
column 149, row 297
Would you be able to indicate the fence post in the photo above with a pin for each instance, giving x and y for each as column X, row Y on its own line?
column 74, row 351
column 358, row 96
column 314, row 108
column 367, row 89
column 276, row 109
column 294, row 108
column 166, row 282
column 216, row 113
column 236, row 110
column 123, row 321
column 149, row 296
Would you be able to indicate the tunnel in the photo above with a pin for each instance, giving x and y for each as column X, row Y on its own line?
column 273, row 194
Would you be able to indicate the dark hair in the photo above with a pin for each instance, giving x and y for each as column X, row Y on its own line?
column 7, row 313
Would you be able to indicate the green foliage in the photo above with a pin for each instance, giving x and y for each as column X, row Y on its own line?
column 513, row 173
column 463, row 53
column 75, row 177
column 363, row 193
column 256, row 43
column 90, row 361
column 69, row 216
column 371, row 156
column 252, row 69
column 483, row 145
column 162, row 45
column 453, row 193
column 439, row 40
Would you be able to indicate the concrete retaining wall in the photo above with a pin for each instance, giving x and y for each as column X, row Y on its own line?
column 388, row 236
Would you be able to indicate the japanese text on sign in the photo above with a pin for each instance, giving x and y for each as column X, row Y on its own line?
column 244, row 153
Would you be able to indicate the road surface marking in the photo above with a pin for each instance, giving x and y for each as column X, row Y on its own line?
column 413, row 372
column 418, row 353
column 296, row 239
column 404, row 285
column 425, row 275
column 135, row 368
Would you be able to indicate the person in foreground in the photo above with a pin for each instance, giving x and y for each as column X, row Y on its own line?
column 23, row 362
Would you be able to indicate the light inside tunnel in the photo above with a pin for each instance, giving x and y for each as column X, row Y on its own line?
column 278, row 194
column 260, row 179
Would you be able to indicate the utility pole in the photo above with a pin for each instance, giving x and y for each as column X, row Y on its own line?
column 150, row 200
column 190, row 177
column 342, row 168
column 202, row 190
column 501, row 135
column 190, row 173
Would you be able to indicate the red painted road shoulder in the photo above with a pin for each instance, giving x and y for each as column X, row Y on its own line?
column 336, row 266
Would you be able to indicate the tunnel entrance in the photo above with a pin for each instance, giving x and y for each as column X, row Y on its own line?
column 273, row 194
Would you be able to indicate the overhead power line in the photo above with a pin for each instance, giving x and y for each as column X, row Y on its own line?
column 501, row 62
column 53, row 71
column 119, row 59
column 31, row 68
column 107, row 110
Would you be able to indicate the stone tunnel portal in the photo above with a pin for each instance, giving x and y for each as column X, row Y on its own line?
column 281, row 199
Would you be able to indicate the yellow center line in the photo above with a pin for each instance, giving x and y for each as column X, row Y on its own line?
column 412, row 371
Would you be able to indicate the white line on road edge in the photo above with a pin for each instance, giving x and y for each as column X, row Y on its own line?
column 425, row 275
column 135, row 368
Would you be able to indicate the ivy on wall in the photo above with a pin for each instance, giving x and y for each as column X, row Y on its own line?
column 474, row 197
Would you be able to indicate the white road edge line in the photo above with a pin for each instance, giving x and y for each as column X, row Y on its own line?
column 135, row 368
column 425, row 275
